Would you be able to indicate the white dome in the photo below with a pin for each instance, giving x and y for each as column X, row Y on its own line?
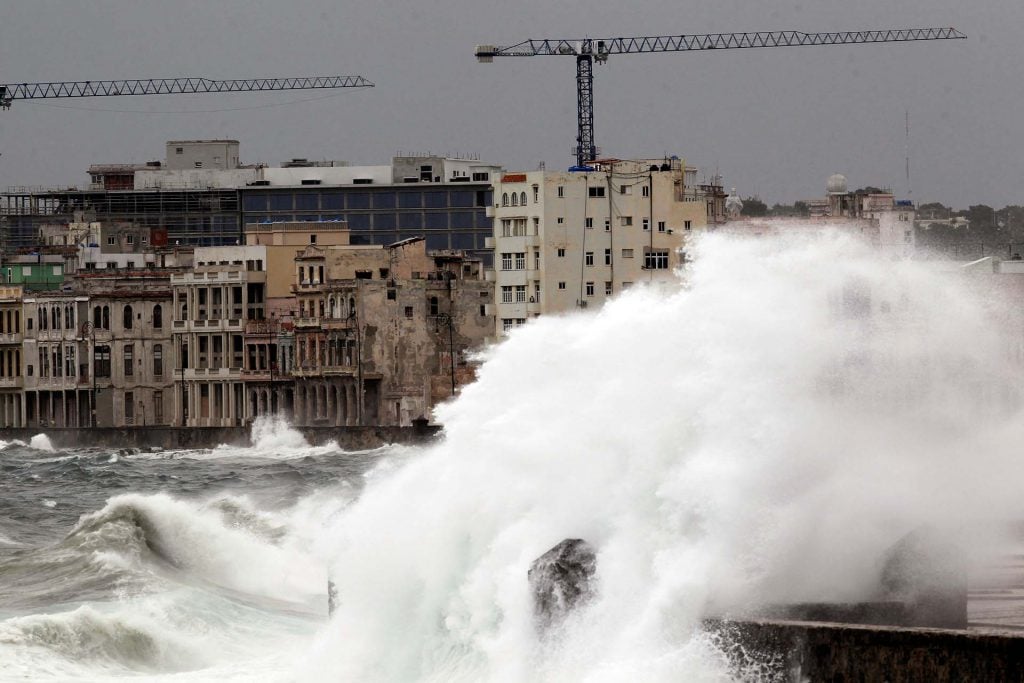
column 836, row 184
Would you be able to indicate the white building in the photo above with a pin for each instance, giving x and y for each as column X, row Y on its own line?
column 565, row 240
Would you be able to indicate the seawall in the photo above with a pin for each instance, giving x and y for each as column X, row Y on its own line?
column 348, row 438
column 807, row 651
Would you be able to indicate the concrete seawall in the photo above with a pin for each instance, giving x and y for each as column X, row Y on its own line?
column 806, row 651
column 348, row 438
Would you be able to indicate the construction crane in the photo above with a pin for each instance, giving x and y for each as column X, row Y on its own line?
column 169, row 86
column 588, row 50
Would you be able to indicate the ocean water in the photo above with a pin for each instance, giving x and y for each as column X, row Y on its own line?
column 760, row 432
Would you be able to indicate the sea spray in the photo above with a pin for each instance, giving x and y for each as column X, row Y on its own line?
column 41, row 442
column 761, row 436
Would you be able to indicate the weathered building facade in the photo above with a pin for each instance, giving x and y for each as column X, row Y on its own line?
column 381, row 333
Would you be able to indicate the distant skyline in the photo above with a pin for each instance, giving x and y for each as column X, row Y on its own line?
column 773, row 122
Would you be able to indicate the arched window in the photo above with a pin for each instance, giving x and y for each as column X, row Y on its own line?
column 55, row 318
column 504, row 198
column 522, row 199
column 96, row 320
column 106, row 318
column 44, row 318
column 127, row 318
column 352, row 306
column 515, row 199
column 332, row 305
column 158, row 316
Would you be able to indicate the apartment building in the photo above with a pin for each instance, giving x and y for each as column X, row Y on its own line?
column 225, row 288
column 55, row 357
column 570, row 240
column 12, row 404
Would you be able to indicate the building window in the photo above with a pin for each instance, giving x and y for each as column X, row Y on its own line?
column 656, row 259
column 561, row 252
column 506, row 227
column 661, row 226
column 625, row 189
column 199, row 164
column 519, row 227
column 561, row 191
column 561, row 285
column 536, row 194
column 560, row 220
column 129, row 358
column 589, row 258
column 504, row 198
column 129, row 405
column 129, row 239
column 520, row 294
column 408, row 311
column 101, row 361
column 607, row 224
column 521, row 260
column 522, row 199
column 608, row 288
column 433, row 305
column 594, row 192
column 110, row 241
column 647, row 224
column 127, row 317
column 589, row 222
column 158, row 360
column 627, row 253
column 590, row 289
column 687, row 225
column 625, row 221
column 515, row 199
column 158, row 407
column 506, row 294
column 607, row 257
column 647, row 191
column 506, row 260
column 158, row 316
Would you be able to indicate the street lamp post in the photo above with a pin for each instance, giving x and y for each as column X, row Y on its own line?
column 88, row 329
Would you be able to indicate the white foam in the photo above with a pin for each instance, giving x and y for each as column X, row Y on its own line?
column 747, row 439
column 41, row 442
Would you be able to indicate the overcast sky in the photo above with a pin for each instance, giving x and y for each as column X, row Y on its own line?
column 773, row 122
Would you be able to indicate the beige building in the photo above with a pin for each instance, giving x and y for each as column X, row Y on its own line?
column 567, row 240
column 12, row 404
column 382, row 332
column 282, row 242
column 55, row 361
column 129, row 333
column 225, row 288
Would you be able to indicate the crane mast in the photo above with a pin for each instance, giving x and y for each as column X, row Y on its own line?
column 589, row 50
column 169, row 86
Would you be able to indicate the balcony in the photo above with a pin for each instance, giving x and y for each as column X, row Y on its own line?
column 12, row 338
column 10, row 382
column 262, row 327
column 307, row 323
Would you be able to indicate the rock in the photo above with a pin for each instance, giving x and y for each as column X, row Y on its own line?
column 560, row 580
column 927, row 572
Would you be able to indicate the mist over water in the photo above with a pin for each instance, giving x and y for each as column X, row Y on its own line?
column 759, row 434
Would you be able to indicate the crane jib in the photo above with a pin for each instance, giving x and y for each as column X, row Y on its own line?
column 170, row 86
column 589, row 50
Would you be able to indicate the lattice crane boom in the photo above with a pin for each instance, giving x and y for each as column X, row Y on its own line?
column 169, row 86
column 588, row 50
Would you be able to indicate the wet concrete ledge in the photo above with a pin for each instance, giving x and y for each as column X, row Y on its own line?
column 348, row 438
column 808, row 651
